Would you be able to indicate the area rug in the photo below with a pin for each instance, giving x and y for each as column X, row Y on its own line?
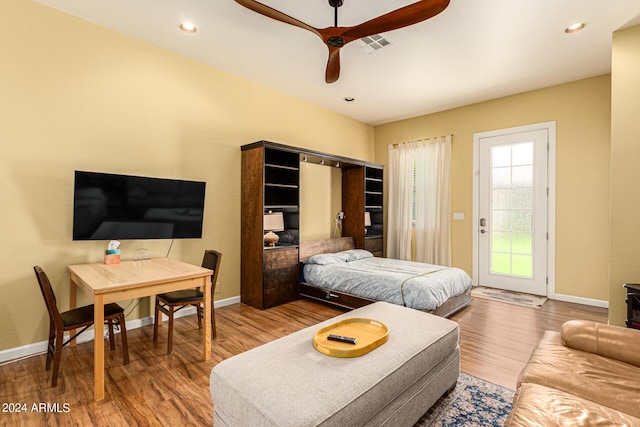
column 474, row 402
column 517, row 298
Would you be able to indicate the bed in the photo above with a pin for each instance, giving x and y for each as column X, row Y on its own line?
column 335, row 272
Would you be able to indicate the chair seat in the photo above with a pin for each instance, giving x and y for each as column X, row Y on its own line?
column 77, row 318
column 83, row 315
column 183, row 296
column 171, row 302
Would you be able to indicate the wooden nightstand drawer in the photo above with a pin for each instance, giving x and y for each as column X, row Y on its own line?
column 281, row 267
column 283, row 293
column 278, row 276
column 280, row 257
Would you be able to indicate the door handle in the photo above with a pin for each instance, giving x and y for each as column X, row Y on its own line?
column 483, row 222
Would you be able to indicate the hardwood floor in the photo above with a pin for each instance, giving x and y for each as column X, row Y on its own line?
column 155, row 389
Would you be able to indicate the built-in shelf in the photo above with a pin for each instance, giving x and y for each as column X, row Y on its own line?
column 271, row 183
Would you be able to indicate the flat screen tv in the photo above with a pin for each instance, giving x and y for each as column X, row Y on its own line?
column 123, row 207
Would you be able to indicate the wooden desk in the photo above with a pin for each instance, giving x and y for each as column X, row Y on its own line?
column 135, row 279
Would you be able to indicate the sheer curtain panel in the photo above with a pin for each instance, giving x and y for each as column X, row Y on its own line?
column 401, row 161
column 433, row 200
column 420, row 170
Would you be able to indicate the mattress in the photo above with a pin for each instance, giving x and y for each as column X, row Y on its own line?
column 411, row 284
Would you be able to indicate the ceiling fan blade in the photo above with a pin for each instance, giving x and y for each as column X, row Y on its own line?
column 333, row 65
column 270, row 12
column 399, row 18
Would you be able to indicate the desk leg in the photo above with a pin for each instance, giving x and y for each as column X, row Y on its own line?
column 207, row 317
column 72, row 304
column 98, row 346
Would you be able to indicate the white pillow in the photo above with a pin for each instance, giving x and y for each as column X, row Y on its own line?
column 357, row 254
column 326, row 259
column 339, row 257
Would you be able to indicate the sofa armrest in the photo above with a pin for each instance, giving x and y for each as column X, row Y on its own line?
column 610, row 341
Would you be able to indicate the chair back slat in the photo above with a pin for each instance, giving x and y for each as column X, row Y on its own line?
column 212, row 260
column 48, row 295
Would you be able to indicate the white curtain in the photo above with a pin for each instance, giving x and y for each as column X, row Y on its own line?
column 430, row 161
column 433, row 219
column 401, row 161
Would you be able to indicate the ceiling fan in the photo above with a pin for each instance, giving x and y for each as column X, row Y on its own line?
column 336, row 37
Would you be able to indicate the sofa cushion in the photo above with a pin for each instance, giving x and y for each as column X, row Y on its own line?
column 592, row 377
column 536, row 405
column 605, row 340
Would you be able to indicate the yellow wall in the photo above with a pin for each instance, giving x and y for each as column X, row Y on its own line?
column 320, row 200
column 76, row 96
column 582, row 113
column 625, row 169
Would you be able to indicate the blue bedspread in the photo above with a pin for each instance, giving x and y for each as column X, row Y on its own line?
column 413, row 284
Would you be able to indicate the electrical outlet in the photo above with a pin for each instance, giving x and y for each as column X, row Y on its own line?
column 218, row 285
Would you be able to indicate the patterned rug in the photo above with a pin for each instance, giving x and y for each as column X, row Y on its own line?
column 517, row 298
column 474, row 402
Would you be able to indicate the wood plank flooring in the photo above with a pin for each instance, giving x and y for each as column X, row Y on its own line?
column 156, row 389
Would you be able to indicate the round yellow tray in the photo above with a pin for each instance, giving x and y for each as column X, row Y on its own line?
column 369, row 334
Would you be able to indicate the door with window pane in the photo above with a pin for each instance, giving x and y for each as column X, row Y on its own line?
column 512, row 203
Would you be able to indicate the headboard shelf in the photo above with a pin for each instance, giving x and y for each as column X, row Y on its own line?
column 314, row 247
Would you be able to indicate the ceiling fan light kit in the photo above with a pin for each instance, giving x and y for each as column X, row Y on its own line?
column 336, row 37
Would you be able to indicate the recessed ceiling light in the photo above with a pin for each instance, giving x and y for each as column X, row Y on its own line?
column 187, row 27
column 578, row 26
column 349, row 99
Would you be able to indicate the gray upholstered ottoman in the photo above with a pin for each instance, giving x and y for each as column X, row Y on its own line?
column 287, row 382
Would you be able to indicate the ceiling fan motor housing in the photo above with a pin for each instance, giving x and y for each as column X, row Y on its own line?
column 335, row 41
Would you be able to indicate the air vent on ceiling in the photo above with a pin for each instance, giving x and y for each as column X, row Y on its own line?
column 374, row 42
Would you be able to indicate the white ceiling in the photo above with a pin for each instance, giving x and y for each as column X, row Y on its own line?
column 474, row 51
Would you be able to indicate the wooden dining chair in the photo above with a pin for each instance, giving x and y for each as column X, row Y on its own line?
column 81, row 317
column 171, row 302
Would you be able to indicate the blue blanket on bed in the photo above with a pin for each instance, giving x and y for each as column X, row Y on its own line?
column 412, row 284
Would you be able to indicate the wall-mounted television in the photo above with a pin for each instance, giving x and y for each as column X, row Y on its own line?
column 124, row 207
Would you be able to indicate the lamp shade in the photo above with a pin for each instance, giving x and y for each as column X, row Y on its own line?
column 367, row 219
column 273, row 221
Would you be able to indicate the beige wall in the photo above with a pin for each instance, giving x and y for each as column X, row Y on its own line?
column 320, row 200
column 582, row 114
column 76, row 96
column 625, row 169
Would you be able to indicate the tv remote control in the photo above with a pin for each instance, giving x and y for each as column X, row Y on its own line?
column 341, row 338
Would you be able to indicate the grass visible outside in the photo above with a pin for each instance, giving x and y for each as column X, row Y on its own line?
column 512, row 253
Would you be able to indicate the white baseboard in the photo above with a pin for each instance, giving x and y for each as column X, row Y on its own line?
column 580, row 300
column 33, row 349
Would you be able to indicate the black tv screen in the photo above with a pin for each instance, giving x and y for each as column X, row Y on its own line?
column 123, row 207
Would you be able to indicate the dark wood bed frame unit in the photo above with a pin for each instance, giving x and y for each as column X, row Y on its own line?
column 349, row 301
column 271, row 183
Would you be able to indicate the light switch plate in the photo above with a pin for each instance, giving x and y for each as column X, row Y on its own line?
column 458, row 216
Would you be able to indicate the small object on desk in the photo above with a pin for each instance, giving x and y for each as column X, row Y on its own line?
column 112, row 258
column 112, row 254
column 341, row 338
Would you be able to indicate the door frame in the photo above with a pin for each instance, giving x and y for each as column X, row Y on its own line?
column 550, row 127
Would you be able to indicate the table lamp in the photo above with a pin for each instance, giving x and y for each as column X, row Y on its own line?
column 273, row 221
column 367, row 221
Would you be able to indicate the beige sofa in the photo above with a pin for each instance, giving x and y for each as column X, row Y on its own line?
column 588, row 374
